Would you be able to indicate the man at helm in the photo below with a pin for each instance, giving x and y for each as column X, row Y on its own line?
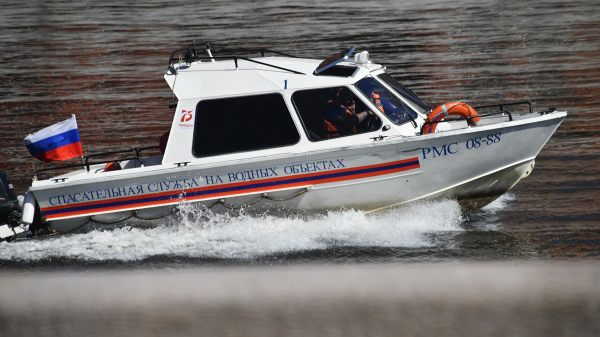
column 341, row 117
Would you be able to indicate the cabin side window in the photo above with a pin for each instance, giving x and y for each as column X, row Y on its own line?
column 333, row 112
column 241, row 124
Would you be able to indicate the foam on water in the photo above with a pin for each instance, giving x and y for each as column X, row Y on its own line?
column 499, row 204
column 488, row 217
column 248, row 237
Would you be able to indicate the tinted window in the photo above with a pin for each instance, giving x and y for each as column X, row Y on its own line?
column 405, row 92
column 397, row 111
column 318, row 105
column 242, row 124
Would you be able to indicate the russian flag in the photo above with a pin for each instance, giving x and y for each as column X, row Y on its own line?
column 56, row 142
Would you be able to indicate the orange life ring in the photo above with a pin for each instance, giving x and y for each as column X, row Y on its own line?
column 112, row 166
column 451, row 108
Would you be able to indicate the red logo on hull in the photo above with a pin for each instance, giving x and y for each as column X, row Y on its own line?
column 187, row 115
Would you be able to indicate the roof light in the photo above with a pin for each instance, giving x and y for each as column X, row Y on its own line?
column 362, row 57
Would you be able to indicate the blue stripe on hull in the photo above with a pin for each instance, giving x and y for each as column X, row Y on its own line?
column 234, row 188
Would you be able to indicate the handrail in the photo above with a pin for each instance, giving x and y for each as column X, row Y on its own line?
column 235, row 58
column 87, row 159
column 263, row 50
column 272, row 66
column 87, row 164
column 113, row 160
column 34, row 177
column 139, row 150
column 467, row 118
column 502, row 105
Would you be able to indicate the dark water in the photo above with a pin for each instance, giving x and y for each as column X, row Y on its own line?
column 104, row 62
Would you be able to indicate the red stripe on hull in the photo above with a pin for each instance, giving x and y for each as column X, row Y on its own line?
column 230, row 193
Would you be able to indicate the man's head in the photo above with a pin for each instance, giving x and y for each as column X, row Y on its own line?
column 344, row 96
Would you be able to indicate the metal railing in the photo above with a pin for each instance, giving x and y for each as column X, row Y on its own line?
column 86, row 160
column 467, row 118
column 191, row 55
column 499, row 105
column 502, row 105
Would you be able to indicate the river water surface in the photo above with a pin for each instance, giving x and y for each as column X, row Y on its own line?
column 104, row 62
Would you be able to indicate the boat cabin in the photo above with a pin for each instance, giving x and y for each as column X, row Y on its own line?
column 242, row 108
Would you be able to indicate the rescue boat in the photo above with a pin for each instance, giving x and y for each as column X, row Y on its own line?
column 254, row 133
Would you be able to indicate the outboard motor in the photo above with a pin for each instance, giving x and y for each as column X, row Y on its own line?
column 8, row 198
column 10, row 211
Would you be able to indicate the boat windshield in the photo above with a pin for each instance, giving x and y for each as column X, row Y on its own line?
column 405, row 93
column 393, row 108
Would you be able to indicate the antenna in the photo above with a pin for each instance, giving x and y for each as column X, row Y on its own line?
column 194, row 50
column 209, row 53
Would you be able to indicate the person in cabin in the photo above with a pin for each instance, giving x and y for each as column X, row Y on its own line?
column 395, row 113
column 341, row 117
column 385, row 103
column 388, row 105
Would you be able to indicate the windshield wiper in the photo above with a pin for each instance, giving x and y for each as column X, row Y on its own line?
column 407, row 109
column 414, row 123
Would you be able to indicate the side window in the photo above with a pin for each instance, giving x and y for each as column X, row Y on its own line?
column 242, row 124
column 333, row 112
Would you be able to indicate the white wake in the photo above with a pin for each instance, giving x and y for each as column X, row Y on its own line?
column 248, row 237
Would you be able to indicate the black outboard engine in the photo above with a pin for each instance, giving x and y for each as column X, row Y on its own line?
column 10, row 211
column 8, row 198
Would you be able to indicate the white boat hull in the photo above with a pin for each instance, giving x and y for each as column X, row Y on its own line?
column 473, row 165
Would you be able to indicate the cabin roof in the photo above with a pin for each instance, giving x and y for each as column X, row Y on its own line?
column 220, row 79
